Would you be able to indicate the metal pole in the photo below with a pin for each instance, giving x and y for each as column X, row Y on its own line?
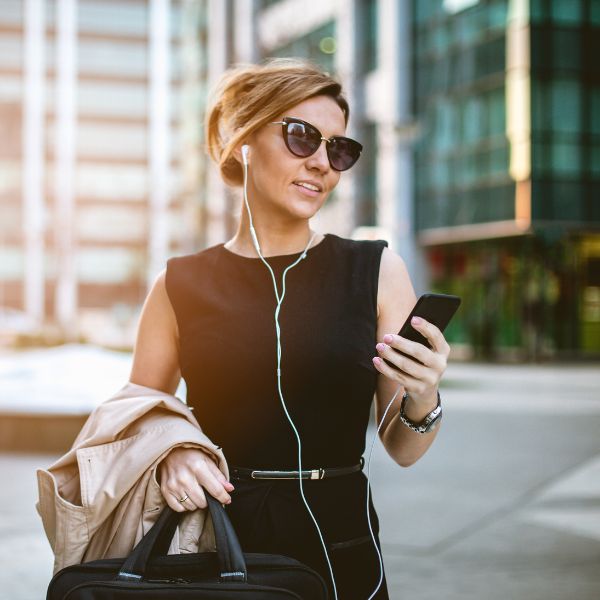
column 160, row 138
column 65, row 114
column 33, row 160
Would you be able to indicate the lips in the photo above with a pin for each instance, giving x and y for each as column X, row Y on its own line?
column 310, row 183
column 305, row 191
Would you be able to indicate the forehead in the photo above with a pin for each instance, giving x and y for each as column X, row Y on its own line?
column 321, row 111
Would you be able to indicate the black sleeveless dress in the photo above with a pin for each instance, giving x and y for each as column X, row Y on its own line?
column 224, row 305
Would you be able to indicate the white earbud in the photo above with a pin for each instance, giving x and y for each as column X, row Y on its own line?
column 245, row 149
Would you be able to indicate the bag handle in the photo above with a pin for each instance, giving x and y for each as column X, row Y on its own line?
column 232, row 566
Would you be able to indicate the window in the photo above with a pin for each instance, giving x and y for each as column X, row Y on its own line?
column 112, row 99
column 567, row 13
column 490, row 58
column 497, row 13
column 499, row 160
column 121, row 182
column 369, row 29
column 595, row 13
column 368, row 203
column 440, row 38
column 446, row 126
column 566, row 39
column 113, row 18
column 541, row 116
column 566, row 159
column 497, row 112
column 318, row 45
column 595, row 110
column 566, row 105
column 595, row 163
column 11, row 51
column 567, row 201
column 112, row 58
column 12, row 12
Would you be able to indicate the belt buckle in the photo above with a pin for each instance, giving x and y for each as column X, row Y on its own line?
column 313, row 474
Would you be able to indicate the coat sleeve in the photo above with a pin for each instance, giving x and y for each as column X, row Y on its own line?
column 101, row 497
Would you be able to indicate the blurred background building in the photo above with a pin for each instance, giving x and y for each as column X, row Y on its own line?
column 481, row 127
column 99, row 170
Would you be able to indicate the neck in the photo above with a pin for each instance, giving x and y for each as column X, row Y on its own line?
column 273, row 240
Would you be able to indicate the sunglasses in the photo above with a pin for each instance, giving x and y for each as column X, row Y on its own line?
column 304, row 139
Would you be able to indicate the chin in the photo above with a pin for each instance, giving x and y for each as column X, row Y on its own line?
column 307, row 212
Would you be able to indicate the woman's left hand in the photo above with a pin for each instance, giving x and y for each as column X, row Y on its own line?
column 420, row 381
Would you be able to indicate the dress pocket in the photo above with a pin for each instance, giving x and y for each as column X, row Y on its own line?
column 351, row 542
column 357, row 569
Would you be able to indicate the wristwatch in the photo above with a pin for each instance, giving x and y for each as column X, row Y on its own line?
column 429, row 423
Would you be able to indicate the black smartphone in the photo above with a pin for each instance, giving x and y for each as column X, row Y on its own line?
column 435, row 308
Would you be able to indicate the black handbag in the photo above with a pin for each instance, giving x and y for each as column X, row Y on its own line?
column 227, row 574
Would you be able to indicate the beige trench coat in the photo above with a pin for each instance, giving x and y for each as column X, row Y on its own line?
column 102, row 496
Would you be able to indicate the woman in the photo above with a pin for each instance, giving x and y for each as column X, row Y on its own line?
column 210, row 317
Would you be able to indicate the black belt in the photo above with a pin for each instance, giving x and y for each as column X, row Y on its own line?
column 245, row 473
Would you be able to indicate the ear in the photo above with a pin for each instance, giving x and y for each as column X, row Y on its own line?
column 237, row 153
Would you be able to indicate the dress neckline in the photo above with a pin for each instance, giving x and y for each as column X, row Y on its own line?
column 312, row 250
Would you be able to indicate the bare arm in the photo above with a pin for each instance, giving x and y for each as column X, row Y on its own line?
column 156, row 351
column 156, row 365
column 396, row 299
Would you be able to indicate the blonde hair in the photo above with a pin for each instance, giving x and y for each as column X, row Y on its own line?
column 247, row 96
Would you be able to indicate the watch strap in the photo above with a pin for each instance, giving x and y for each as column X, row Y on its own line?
column 430, row 421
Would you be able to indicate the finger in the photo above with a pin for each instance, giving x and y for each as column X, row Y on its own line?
column 403, row 363
column 219, row 476
column 435, row 363
column 389, row 372
column 205, row 460
column 188, row 504
column 211, row 483
column 197, row 496
column 431, row 332
column 171, row 499
column 415, row 350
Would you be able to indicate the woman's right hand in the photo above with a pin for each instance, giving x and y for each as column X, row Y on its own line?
column 183, row 471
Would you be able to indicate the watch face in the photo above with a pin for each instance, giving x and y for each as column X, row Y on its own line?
column 434, row 423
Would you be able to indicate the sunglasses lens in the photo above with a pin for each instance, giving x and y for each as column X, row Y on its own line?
column 302, row 140
column 343, row 153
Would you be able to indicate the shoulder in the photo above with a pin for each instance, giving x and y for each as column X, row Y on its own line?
column 361, row 250
column 392, row 265
column 195, row 257
column 177, row 268
column 356, row 245
column 395, row 286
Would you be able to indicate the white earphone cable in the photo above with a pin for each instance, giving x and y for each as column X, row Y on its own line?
column 279, row 352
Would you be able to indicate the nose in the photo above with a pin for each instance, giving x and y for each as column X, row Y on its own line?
column 319, row 159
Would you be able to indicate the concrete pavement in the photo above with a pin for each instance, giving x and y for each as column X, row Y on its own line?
column 504, row 505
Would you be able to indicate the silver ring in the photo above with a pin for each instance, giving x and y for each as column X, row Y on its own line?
column 182, row 500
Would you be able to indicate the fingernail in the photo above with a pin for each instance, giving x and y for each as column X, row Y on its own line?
column 388, row 338
column 416, row 320
column 381, row 347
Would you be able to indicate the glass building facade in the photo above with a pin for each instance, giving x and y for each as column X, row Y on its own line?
column 506, row 94
column 459, row 97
